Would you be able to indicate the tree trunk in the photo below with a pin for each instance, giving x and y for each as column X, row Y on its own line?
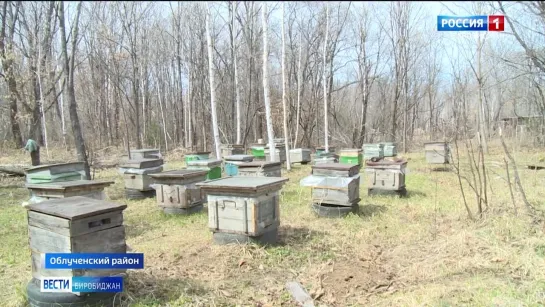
column 69, row 70
column 270, row 131
column 212, row 84
column 326, row 124
column 237, row 89
column 299, row 83
column 284, row 90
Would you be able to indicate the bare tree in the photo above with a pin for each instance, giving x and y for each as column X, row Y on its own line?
column 284, row 90
column 325, row 79
column 211, row 73
column 69, row 67
column 270, row 131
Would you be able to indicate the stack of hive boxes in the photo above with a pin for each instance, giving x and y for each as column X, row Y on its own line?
column 373, row 151
column 386, row 176
column 334, row 185
column 351, row 156
column 323, row 157
column 390, row 149
column 137, row 180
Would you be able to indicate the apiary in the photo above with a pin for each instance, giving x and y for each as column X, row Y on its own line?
column 88, row 188
column 321, row 150
column 136, row 175
column 351, row 156
column 389, row 149
column 232, row 162
column 242, row 209
column 212, row 166
column 279, row 153
column 386, row 176
column 205, row 155
column 232, row 149
column 373, row 151
column 55, row 173
column 260, row 169
column 137, row 154
column 300, row 155
column 437, row 152
column 176, row 190
column 74, row 225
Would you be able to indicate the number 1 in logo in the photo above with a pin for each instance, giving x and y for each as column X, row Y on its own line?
column 496, row 23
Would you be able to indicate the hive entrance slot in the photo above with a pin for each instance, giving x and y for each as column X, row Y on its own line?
column 99, row 223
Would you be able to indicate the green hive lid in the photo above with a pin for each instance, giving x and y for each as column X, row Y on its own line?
column 208, row 163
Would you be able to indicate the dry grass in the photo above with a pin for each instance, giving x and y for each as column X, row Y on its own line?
column 418, row 251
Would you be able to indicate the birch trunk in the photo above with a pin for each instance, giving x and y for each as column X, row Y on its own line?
column 270, row 131
column 162, row 116
column 237, row 90
column 299, row 82
column 326, row 126
column 284, row 88
column 212, row 84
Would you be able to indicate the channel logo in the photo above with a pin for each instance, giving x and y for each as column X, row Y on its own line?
column 490, row 23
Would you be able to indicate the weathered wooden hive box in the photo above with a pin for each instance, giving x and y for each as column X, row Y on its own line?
column 437, row 152
column 340, row 184
column 212, row 166
column 320, row 151
column 386, row 175
column 75, row 225
column 279, row 153
column 232, row 162
column 195, row 156
column 243, row 205
column 232, row 149
column 137, row 154
column 55, row 173
column 373, row 151
column 351, row 156
column 300, row 155
column 177, row 189
column 136, row 173
column 324, row 158
column 389, row 149
column 87, row 188
column 260, row 169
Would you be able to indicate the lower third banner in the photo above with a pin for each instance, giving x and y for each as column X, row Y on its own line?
column 81, row 284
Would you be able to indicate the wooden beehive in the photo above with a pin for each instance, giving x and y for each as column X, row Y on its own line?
column 142, row 163
column 279, row 153
column 329, row 191
column 243, row 205
column 75, row 225
column 212, row 166
column 176, row 189
column 232, row 162
column 335, row 170
column 67, row 189
column 437, row 152
column 260, row 169
column 55, row 172
column 386, row 175
column 137, row 154
column 232, row 149
column 300, row 155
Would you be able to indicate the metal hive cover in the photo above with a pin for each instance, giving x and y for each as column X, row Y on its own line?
column 259, row 164
column 336, row 166
column 68, row 184
column 242, row 183
column 77, row 166
column 77, row 207
column 183, row 173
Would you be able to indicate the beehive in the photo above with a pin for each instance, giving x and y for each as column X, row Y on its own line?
column 248, row 207
column 373, row 151
column 137, row 154
column 136, row 173
column 351, row 156
column 386, row 175
column 389, row 149
column 232, row 149
column 260, row 169
column 300, row 155
column 335, row 170
column 437, row 152
column 87, row 188
column 205, row 155
column 74, row 225
column 232, row 162
column 212, row 166
column 321, row 150
column 177, row 190
column 55, row 173
column 279, row 153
